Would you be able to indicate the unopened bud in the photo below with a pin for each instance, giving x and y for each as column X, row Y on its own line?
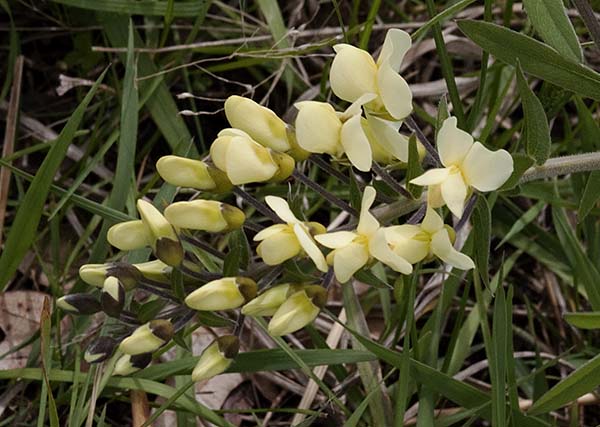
column 222, row 294
column 100, row 349
column 113, row 297
column 130, row 235
column 206, row 215
column 169, row 251
column 285, row 166
column 85, row 304
column 148, row 337
column 155, row 270
column 267, row 303
column 93, row 274
column 298, row 310
column 128, row 274
column 127, row 364
column 216, row 358
column 184, row 172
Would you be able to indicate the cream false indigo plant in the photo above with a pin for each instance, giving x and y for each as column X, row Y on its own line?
column 213, row 254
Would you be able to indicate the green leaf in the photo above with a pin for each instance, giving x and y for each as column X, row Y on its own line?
column 537, row 132
column 482, row 231
column 583, row 268
column 550, row 21
column 589, row 320
column 583, row 380
column 29, row 212
column 537, row 58
column 189, row 9
column 590, row 136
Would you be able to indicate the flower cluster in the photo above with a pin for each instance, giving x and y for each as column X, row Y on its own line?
column 260, row 147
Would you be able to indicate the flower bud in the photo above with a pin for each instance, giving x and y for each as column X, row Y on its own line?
column 100, row 349
column 167, row 246
column 216, row 358
column 130, row 235
column 267, row 303
column 79, row 304
column 148, row 337
column 207, row 215
column 113, row 297
column 127, row 364
column 169, row 251
column 155, row 270
column 222, row 294
column 245, row 160
column 183, row 172
column 298, row 310
column 96, row 274
column 93, row 274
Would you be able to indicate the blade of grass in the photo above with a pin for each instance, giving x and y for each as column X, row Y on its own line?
column 189, row 9
column 27, row 218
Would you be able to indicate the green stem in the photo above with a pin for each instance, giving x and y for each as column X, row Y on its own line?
column 557, row 166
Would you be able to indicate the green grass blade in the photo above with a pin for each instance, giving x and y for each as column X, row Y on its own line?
column 498, row 367
column 24, row 228
column 189, row 9
column 587, row 320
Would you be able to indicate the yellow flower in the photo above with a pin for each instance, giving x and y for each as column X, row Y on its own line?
column 183, row 172
column 155, row 270
column 268, row 302
column 431, row 238
column 152, row 230
column 245, row 160
column 216, row 358
column 355, row 73
column 148, row 337
column 96, row 274
column 281, row 242
column 320, row 129
column 222, row 294
column 466, row 164
column 298, row 310
column 207, row 215
column 352, row 250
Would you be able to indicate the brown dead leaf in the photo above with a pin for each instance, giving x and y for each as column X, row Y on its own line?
column 20, row 313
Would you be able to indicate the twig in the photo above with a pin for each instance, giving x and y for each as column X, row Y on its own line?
column 323, row 192
column 410, row 122
column 389, row 180
column 9, row 137
column 418, row 216
column 261, row 207
column 466, row 212
column 326, row 167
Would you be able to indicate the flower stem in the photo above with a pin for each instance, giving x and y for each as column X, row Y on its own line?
column 261, row 207
column 557, row 166
column 410, row 122
column 389, row 180
column 323, row 192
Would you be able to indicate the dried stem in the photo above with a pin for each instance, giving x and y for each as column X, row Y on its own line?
column 261, row 207
column 389, row 180
column 323, row 192
column 410, row 122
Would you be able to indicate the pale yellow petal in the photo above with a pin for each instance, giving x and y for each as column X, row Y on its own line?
column 270, row 231
column 281, row 208
column 434, row 196
column 389, row 138
column 218, row 152
column 279, row 247
column 394, row 92
column 432, row 222
column 353, row 73
column 442, row 247
column 367, row 223
column 259, row 122
column 356, row 107
column 310, row 247
column 318, row 127
column 432, row 177
column 486, row 170
column 295, row 313
column 454, row 193
column 130, row 235
column 396, row 44
column 348, row 260
column 335, row 240
column 155, row 220
column 453, row 143
column 183, row 172
column 197, row 215
column 356, row 144
column 409, row 242
column 380, row 249
column 248, row 161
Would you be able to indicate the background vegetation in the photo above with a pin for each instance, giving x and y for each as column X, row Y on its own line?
column 441, row 350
